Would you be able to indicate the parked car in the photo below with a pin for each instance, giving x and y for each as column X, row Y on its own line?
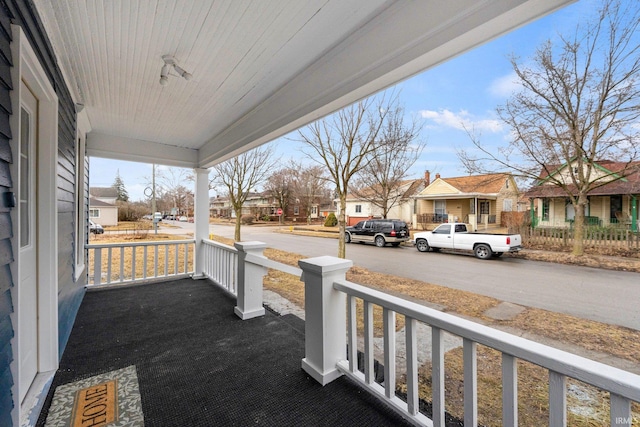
column 378, row 231
column 182, row 218
column 456, row 236
column 95, row 228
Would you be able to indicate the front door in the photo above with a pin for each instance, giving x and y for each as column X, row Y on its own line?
column 28, row 277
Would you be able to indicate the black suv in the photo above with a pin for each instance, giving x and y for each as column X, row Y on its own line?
column 378, row 231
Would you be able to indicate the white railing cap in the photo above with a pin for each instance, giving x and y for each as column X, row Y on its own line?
column 244, row 246
column 325, row 264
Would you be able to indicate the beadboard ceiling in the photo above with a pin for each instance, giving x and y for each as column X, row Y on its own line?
column 260, row 68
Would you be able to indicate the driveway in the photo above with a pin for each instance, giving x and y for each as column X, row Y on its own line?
column 601, row 295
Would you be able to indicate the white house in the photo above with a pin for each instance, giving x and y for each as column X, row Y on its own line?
column 361, row 206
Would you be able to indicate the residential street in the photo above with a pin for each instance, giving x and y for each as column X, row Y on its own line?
column 602, row 295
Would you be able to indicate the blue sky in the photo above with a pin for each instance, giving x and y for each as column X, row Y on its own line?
column 466, row 89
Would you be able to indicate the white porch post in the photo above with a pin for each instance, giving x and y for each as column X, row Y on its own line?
column 201, row 219
column 325, row 316
column 249, row 280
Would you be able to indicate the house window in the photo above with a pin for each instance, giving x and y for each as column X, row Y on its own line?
column 615, row 208
column 507, row 205
column 358, row 208
column 569, row 211
column 545, row 209
column 484, row 207
column 81, row 220
column 296, row 210
column 472, row 206
column 94, row 213
column 314, row 210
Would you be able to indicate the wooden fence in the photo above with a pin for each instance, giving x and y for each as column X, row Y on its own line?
column 598, row 237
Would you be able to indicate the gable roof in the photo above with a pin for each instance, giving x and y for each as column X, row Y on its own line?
column 96, row 203
column 627, row 183
column 103, row 192
column 487, row 185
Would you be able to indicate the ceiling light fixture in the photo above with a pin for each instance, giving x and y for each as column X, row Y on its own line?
column 170, row 62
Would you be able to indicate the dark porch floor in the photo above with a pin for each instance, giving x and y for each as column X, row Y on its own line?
column 200, row 365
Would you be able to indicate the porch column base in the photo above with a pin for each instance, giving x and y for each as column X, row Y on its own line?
column 325, row 329
column 250, row 275
column 323, row 378
column 245, row 315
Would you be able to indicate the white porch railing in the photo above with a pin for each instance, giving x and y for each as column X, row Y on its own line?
column 331, row 338
column 328, row 296
column 221, row 265
column 124, row 263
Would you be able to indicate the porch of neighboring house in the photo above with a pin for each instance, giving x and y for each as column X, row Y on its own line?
column 433, row 212
column 207, row 350
column 608, row 211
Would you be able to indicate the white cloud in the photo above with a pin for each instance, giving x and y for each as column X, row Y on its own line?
column 461, row 121
column 504, row 86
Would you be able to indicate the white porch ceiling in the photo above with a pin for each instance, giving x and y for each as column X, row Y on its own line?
column 260, row 68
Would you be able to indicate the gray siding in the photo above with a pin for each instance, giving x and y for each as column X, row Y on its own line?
column 6, row 232
column 22, row 13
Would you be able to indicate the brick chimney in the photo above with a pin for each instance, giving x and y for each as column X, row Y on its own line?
column 427, row 178
column 437, row 176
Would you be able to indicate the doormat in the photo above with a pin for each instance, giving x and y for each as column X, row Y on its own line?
column 111, row 399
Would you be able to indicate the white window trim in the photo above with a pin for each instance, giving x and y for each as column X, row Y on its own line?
column 81, row 215
column 28, row 68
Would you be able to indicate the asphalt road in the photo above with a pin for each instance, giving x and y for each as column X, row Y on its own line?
column 602, row 295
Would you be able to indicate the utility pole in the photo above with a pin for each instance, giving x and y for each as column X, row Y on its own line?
column 153, row 199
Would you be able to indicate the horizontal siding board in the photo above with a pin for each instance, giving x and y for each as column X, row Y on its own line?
column 5, row 150
column 6, row 278
column 5, row 52
column 5, row 98
column 5, row 77
column 6, row 307
column 5, row 175
column 6, row 252
column 5, row 26
column 5, row 225
column 6, row 333
column 6, row 355
column 5, row 128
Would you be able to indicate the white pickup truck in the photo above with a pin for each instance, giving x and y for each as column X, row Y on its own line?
column 455, row 236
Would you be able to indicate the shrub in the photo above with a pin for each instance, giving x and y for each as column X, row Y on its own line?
column 331, row 220
column 246, row 219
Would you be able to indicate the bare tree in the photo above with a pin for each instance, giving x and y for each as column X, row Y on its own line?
column 238, row 176
column 579, row 103
column 380, row 182
column 170, row 189
column 279, row 185
column 343, row 143
column 309, row 186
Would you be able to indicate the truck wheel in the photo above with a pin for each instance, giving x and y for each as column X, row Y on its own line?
column 422, row 245
column 380, row 242
column 347, row 238
column 482, row 251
